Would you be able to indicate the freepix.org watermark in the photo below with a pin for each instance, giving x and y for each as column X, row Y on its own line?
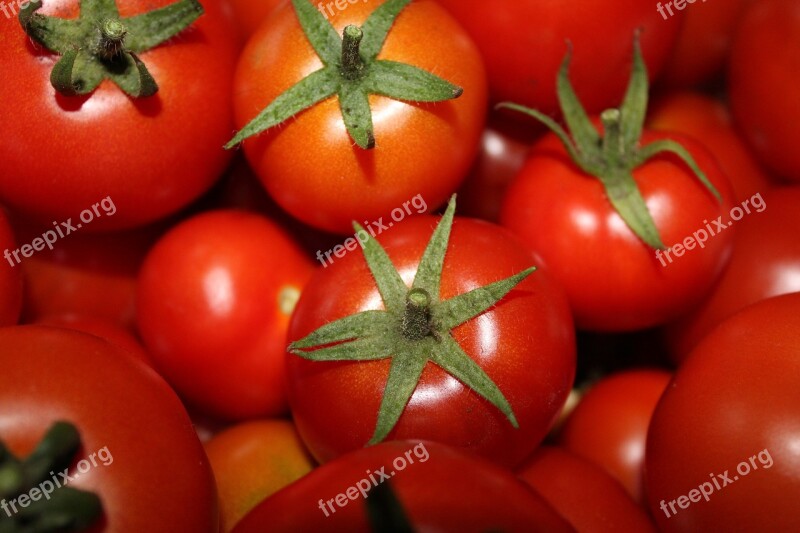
column 59, row 479
column 374, row 479
column 59, row 231
column 375, row 228
column 326, row 8
column 720, row 481
column 679, row 5
column 713, row 228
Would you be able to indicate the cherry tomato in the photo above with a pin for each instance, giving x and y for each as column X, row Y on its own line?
column 213, row 302
column 10, row 277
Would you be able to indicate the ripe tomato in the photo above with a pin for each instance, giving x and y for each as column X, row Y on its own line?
column 213, row 302
column 525, row 344
column 152, row 459
column 722, row 444
column 613, row 280
column 609, row 425
column 249, row 14
column 763, row 76
column 151, row 155
column 588, row 498
column 423, row 476
column 709, row 121
column 10, row 277
column 765, row 263
column 523, row 42
column 252, row 461
column 310, row 165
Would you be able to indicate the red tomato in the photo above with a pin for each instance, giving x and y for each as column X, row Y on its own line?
column 10, row 277
column 529, row 329
column 125, row 414
column 310, row 165
column 722, row 445
column 249, row 14
column 763, row 78
column 214, row 299
column 709, row 121
column 588, row 498
column 423, row 478
column 523, row 43
column 151, row 155
column 614, row 281
column 765, row 263
column 609, row 425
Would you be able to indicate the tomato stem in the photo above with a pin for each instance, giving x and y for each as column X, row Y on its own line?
column 352, row 64
column 112, row 38
column 417, row 315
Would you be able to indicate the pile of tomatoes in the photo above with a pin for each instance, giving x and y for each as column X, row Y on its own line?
column 399, row 265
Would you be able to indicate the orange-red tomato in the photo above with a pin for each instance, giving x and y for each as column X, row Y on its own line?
column 249, row 14
column 10, row 277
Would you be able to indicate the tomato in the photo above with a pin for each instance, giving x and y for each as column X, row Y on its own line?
column 763, row 74
column 582, row 493
column 710, row 122
column 10, row 277
column 523, row 42
column 609, row 425
column 252, row 461
column 213, row 302
column 765, row 263
column 150, row 155
column 613, row 280
column 722, row 444
column 422, row 477
column 310, row 165
column 126, row 416
column 530, row 329
column 249, row 14
column 704, row 42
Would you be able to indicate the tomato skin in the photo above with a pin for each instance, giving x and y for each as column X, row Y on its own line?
column 613, row 280
column 10, row 277
column 765, row 263
column 523, row 64
column 250, row 14
column 735, row 396
column 587, row 497
column 488, row 498
column 530, row 328
column 151, row 156
column 609, row 425
column 310, row 165
column 213, row 302
column 763, row 75
column 52, row 374
column 252, row 461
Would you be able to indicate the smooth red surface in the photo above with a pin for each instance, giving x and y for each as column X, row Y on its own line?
column 10, row 277
column 443, row 490
column 158, row 478
column 525, row 344
column 614, row 281
column 152, row 156
column 311, row 166
column 734, row 397
column 214, row 298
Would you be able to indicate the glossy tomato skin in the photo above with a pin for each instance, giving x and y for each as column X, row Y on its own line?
column 312, row 167
column 587, row 497
column 763, row 77
column 423, row 477
column 525, row 344
column 10, row 277
column 156, row 462
column 523, row 59
column 614, row 281
column 765, row 263
column 609, row 425
column 733, row 401
column 214, row 298
column 151, row 156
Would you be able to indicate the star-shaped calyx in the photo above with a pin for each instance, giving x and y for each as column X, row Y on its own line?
column 352, row 72
column 413, row 330
column 100, row 45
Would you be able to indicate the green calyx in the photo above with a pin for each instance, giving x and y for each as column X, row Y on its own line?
column 100, row 45
column 413, row 330
column 31, row 502
column 352, row 72
column 614, row 156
